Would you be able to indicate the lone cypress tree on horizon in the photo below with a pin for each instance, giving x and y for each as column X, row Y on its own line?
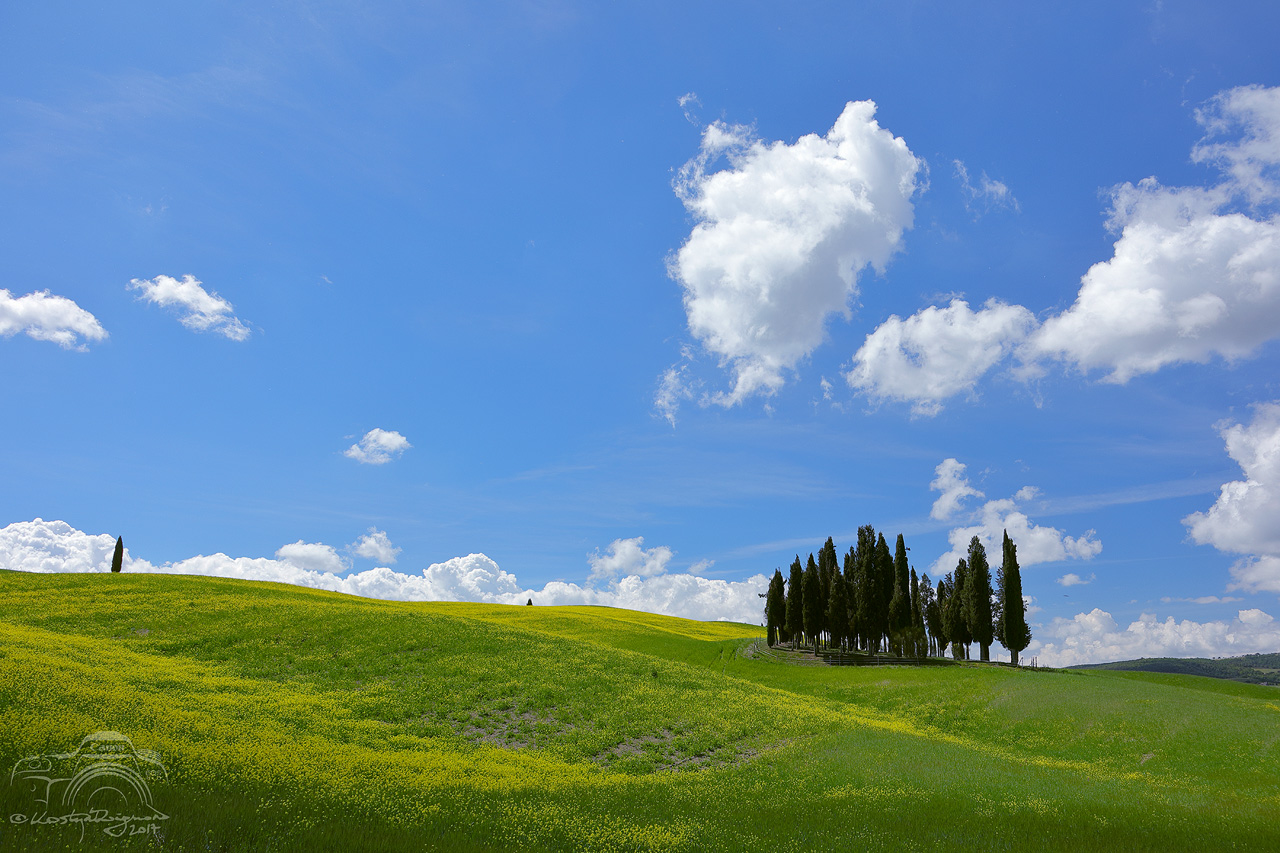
column 117, row 559
column 1017, row 635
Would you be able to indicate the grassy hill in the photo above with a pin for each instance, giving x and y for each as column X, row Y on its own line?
column 295, row 719
column 1251, row 669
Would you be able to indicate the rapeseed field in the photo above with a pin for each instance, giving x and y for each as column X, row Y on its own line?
column 295, row 719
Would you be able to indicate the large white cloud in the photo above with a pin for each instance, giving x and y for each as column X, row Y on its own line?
column 937, row 353
column 1036, row 543
column 378, row 447
column 199, row 310
column 46, row 317
column 781, row 235
column 55, row 546
column 1185, row 283
column 1245, row 519
column 1194, row 275
column 1095, row 637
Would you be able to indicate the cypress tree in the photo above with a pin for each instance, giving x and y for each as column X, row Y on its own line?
column 117, row 559
column 978, row 583
column 864, row 586
column 529, row 603
column 917, row 622
column 795, row 601
column 928, row 604
column 851, row 597
column 939, row 615
column 1017, row 634
column 824, row 589
column 900, row 599
column 837, row 612
column 958, row 630
column 812, row 603
column 775, row 607
column 884, row 588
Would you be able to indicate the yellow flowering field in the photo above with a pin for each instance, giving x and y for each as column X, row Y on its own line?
column 295, row 719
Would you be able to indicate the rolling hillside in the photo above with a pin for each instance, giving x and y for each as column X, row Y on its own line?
column 1250, row 669
column 294, row 719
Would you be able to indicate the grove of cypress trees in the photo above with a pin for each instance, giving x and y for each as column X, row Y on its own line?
column 978, row 589
column 1017, row 634
column 117, row 559
column 795, row 601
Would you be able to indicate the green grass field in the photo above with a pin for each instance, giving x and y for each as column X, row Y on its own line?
column 292, row 719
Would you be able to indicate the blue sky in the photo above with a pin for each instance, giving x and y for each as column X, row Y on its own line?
column 727, row 279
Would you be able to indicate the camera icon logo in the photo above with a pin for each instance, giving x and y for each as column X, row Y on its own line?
column 104, row 780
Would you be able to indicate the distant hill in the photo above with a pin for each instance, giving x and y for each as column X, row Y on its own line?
column 1251, row 669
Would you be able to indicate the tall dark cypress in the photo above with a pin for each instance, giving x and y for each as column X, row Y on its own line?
column 958, row 629
column 940, row 616
column 812, row 603
column 864, row 578
column 775, row 608
column 917, row 623
column 851, row 597
column 928, row 612
column 1017, row 634
column 900, row 598
column 795, row 601
column 837, row 612
column 978, row 584
column 884, row 587
column 117, row 559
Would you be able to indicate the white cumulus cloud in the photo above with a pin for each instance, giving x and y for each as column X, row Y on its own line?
column 954, row 485
column 378, row 447
column 46, row 317
column 1036, row 543
column 781, row 235
column 1191, row 277
column 312, row 556
column 1095, row 637
column 198, row 309
column 937, row 353
column 1073, row 579
column 55, row 546
column 628, row 557
column 1245, row 517
column 375, row 545
column 1194, row 275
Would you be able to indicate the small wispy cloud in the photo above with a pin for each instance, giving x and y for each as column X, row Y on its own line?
column 1073, row 579
column 987, row 195
column 199, row 310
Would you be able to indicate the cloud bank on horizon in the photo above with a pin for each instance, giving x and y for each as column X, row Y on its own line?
column 627, row 575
